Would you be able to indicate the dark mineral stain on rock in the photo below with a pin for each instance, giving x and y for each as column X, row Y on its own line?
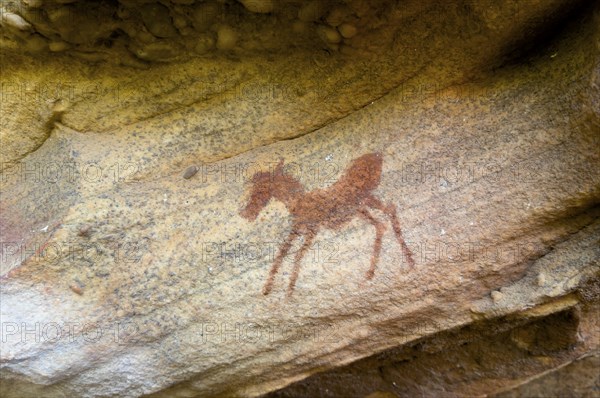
column 190, row 172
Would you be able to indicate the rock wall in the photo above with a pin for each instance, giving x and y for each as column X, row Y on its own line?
column 418, row 181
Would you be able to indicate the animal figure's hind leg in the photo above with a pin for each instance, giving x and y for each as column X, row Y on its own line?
column 285, row 248
column 308, row 239
column 379, row 230
column 390, row 210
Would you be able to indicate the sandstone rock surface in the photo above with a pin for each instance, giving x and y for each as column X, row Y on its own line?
column 126, row 274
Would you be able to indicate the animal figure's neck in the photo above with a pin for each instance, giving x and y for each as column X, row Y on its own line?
column 287, row 189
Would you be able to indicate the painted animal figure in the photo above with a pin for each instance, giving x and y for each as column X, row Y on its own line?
column 331, row 208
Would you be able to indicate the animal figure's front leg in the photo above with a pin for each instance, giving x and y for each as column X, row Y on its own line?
column 285, row 248
column 379, row 230
column 308, row 239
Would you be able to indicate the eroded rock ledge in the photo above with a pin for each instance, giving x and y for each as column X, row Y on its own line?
column 126, row 274
column 130, row 32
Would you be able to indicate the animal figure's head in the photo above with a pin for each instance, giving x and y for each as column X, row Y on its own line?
column 262, row 191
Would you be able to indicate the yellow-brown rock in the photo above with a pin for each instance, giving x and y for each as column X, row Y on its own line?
column 133, row 135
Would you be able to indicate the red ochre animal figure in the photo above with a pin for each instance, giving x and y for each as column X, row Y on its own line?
column 329, row 208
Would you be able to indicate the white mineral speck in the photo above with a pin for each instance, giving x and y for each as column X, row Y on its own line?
column 496, row 296
column 541, row 279
column 15, row 21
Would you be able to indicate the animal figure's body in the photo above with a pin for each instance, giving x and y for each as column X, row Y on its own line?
column 329, row 208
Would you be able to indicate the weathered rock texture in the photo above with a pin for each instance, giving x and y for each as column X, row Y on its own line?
column 124, row 273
